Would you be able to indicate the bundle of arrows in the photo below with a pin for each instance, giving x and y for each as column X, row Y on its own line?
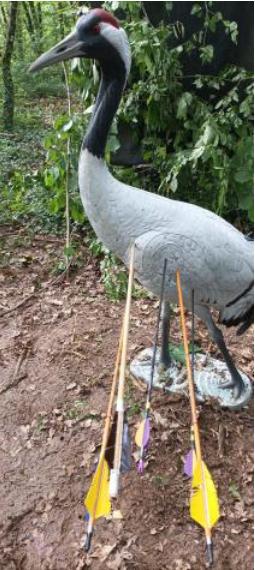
column 204, row 507
column 143, row 432
column 115, row 448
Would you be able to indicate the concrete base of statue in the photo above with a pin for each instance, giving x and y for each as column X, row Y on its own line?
column 209, row 375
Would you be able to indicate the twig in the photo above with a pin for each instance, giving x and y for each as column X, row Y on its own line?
column 74, row 329
column 23, row 302
column 64, row 273
column 50, row 239
column 19, row 363
column 16, row 379
column 76, row 353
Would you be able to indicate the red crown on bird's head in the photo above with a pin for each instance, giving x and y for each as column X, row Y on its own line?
column 104, row 16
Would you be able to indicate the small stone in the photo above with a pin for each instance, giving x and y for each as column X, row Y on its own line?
column 71, row 386
column 117, row 515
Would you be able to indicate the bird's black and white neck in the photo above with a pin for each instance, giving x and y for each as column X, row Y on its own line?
column 98, row 189
column 115, row 60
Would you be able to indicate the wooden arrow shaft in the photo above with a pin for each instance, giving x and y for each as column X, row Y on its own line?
column 107, row 426
column 108, row 419
column 193, row 403
column 119, row 365
column 189, row 370
column 121, row 386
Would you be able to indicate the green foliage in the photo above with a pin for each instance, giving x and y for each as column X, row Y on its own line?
column 161, row 481
column 196, row 133
column 114, row 275
column 23, row 199
column 196, row 146
column 234, row 491
column 178, row 354
column 54, row 172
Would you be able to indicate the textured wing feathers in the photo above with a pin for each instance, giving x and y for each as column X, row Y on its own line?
column 213, row 257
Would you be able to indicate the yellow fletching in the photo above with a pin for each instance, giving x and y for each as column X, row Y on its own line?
column 97, row 501
column 139, row 434
column 204, row 506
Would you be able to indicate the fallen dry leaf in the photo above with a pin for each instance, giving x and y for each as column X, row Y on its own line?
column 159, row 419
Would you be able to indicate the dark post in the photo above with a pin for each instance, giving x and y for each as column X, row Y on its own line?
column 8, row 104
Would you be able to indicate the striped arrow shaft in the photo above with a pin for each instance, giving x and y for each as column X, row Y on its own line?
column 115, row 472
column 144, row 442
column 145, row 425
column 153, row 363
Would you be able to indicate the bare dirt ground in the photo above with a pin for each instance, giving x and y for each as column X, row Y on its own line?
column 57, row 352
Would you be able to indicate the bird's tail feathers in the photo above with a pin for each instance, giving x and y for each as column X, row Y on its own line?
column 240, row 311
column 247, row 322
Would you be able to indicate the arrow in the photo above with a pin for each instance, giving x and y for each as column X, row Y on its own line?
column 126, row 446
column 189, row 462
column 97, row 500
column 204, row 507
column 118, row 451
column 204, row 514
column 143, row 432
column 190, row 459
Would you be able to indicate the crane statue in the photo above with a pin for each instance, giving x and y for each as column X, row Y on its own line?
column 214, row 258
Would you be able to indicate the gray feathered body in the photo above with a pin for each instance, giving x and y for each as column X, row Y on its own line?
column 214, row 258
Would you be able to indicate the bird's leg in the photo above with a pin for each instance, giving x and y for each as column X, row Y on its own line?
column 164, row 358
column 236, row 381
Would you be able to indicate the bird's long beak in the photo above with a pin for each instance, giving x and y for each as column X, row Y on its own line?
column 68, row 48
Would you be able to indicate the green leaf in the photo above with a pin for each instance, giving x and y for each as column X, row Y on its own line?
column 183, row 105
column 234, row 492
column 206, row 53
column 169, row 6
column 69, row 251
column 77, row 212
column 174, row 184
column 51, row 175
column 178, row 354
column 196, row 10
column 60, row 121
column 242, row 175
column 198, row 83
column 245, row 202
column 67, row 126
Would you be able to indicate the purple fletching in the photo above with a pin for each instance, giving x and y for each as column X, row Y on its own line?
column 146, row 433
column 140, row 466
column 188, row 464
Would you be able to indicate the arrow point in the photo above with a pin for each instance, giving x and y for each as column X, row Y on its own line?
column 140, row 466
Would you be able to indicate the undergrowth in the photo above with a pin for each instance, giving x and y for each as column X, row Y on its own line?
column 194, row 148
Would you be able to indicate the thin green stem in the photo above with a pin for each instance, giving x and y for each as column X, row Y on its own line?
column 68, row 167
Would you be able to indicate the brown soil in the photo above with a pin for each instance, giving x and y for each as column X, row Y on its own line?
column 57, row 353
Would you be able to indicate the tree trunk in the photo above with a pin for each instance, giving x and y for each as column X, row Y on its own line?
column 61, row 20
column 8, row 104
column 33, row 14
column 29, row 22
column 40, row 19
column 3, row 15
column 19, row 40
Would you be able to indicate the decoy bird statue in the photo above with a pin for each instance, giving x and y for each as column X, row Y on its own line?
column 213, row 257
